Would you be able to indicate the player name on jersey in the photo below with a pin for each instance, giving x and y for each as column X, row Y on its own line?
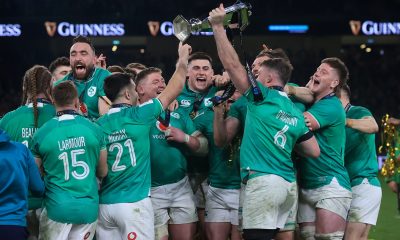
column 28, row 132
column 77, row 142
column 286, row 118
column 117, row 136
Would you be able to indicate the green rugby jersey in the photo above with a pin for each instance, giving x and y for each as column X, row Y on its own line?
column 238, row 110
column 360, row 152
column 128, row 146
column 272, row 128
column 69, row 147
column 331, row 137
column 223, row 172
column 89, row 90
column 187, row 99
column 168, row 159
column 19, row 125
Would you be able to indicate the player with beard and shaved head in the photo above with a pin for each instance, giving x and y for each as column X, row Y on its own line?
column 87, row 78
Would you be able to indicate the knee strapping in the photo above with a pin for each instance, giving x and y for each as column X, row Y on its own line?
column 329, row 236
column 307, row 232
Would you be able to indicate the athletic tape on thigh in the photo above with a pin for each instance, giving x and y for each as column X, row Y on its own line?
column 329, row 236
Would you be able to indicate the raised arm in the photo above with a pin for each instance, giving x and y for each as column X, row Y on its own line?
column 226, row 52
column 177, row 81
column 224, row 129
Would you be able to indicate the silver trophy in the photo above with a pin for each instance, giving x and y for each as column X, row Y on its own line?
column 183, row 28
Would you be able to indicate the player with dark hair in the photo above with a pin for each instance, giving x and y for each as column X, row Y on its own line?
column 325, row 190
column 274, row 125
column 87, row 78
column 125, row 207
column 71, row 151
column 59, row 68
column 362, row 165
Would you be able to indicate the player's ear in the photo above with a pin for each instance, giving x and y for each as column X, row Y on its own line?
column 127, row 94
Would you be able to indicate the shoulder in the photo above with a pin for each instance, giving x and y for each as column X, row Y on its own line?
column 46, row 128
column 102, row 73
column 65, row 78
column 359, row 110
column 9, row 116
column 332, row 104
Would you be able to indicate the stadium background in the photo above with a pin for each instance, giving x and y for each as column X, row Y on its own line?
column 373, row 60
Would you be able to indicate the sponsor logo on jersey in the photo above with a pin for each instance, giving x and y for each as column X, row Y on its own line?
column 86, row 236
column 207, row 102
column 91, row 91
column 175, row 115
column 185, row 103
column 132, row 236
column 161, row 126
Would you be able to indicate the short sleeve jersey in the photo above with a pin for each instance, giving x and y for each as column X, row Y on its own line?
column 360, row 152
column 224, row 171
column 89, row 91
column 19, row 125
column 196, row 164
column 128, row 145
column 238, row 110
column 272, row 128
column 331, row 137
column 168, row 158
column 69, row 147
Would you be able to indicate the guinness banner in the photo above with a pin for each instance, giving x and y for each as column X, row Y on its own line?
column 51, row 29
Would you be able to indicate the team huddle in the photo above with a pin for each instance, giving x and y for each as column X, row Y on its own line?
column 120, row 154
